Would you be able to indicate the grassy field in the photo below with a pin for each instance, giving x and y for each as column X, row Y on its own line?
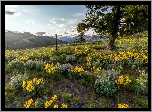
column 78, row 76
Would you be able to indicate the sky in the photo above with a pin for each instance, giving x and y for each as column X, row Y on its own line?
column 52, row 19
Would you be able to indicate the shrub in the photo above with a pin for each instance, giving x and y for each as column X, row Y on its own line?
column 70, row 59
column 66, row 96
column 63, row 69
column 16, row 63
column 141, row 83
column 16, row 80
column 105, row 85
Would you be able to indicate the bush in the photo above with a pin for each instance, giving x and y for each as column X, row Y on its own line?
column 105, row 85
column 16, row 80
column 63, row 69
column 70, row 59
column 16, row 63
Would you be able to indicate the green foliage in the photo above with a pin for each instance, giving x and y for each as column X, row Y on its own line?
column 141, row 83
column 105, row 84
column 7, row 69
column 98, row 47
column 75, row 99
column 16, row 63
column 66, row 96
column 140, row 101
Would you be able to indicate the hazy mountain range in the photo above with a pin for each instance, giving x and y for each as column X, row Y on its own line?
column 28, row 40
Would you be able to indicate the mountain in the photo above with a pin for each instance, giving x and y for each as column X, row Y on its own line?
column 86, row 37
column 27, row 40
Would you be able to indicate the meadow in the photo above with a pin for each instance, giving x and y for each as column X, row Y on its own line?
column 85, row 75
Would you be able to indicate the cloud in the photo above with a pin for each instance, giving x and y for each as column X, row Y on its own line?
column 72, row 30
column 52, row 21
column 78, row 14
column 62, row 19
column 31, row 21
column 61, row 25
column 17, row 14
column 58, row 19
column 9, row 12
column 71, row 21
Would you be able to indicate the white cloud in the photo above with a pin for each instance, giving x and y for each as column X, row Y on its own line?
column 31, row 21
column 61, row 25
column 78, row 14
column 17, row 14
column 12, row 10
column 52, row 21
column 62, row 19
column 71, row 21
column 72, row 30
column 58, row 19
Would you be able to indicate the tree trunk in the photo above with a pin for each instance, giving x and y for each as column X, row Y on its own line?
column 111, row 44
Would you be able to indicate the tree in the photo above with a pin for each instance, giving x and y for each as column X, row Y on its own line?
column 80, row 28
column 110, row 24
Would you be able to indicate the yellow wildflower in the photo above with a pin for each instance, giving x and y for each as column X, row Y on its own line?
column 64, row 106
column 28, row 103
column 36, row 103
column 123, row 105
column 54, row 97
column 55, row 106
column 38, row 81
column 47, row 104
column 23, row 84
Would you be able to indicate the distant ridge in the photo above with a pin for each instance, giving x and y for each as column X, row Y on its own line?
column 18, row 40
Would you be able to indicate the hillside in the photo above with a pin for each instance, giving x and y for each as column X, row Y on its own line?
column 77, row 76
column 27, row 40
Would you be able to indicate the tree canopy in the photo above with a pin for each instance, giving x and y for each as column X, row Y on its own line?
column 115, row 20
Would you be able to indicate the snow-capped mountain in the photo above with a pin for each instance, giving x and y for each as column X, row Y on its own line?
column 86, row 37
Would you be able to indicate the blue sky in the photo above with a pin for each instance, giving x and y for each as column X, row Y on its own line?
column 52, row 19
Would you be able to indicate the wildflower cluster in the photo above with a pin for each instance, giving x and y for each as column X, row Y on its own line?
column 48, row 103
column 29, row 85
column 106, row 58
column 28, row 103
column 80, row 52
column 122, row 80
column 123, row 105
column 64, row 106
column 96, row 70
column 77, row 69
column 24, row 58
column 50, row 68
column 45, row 104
